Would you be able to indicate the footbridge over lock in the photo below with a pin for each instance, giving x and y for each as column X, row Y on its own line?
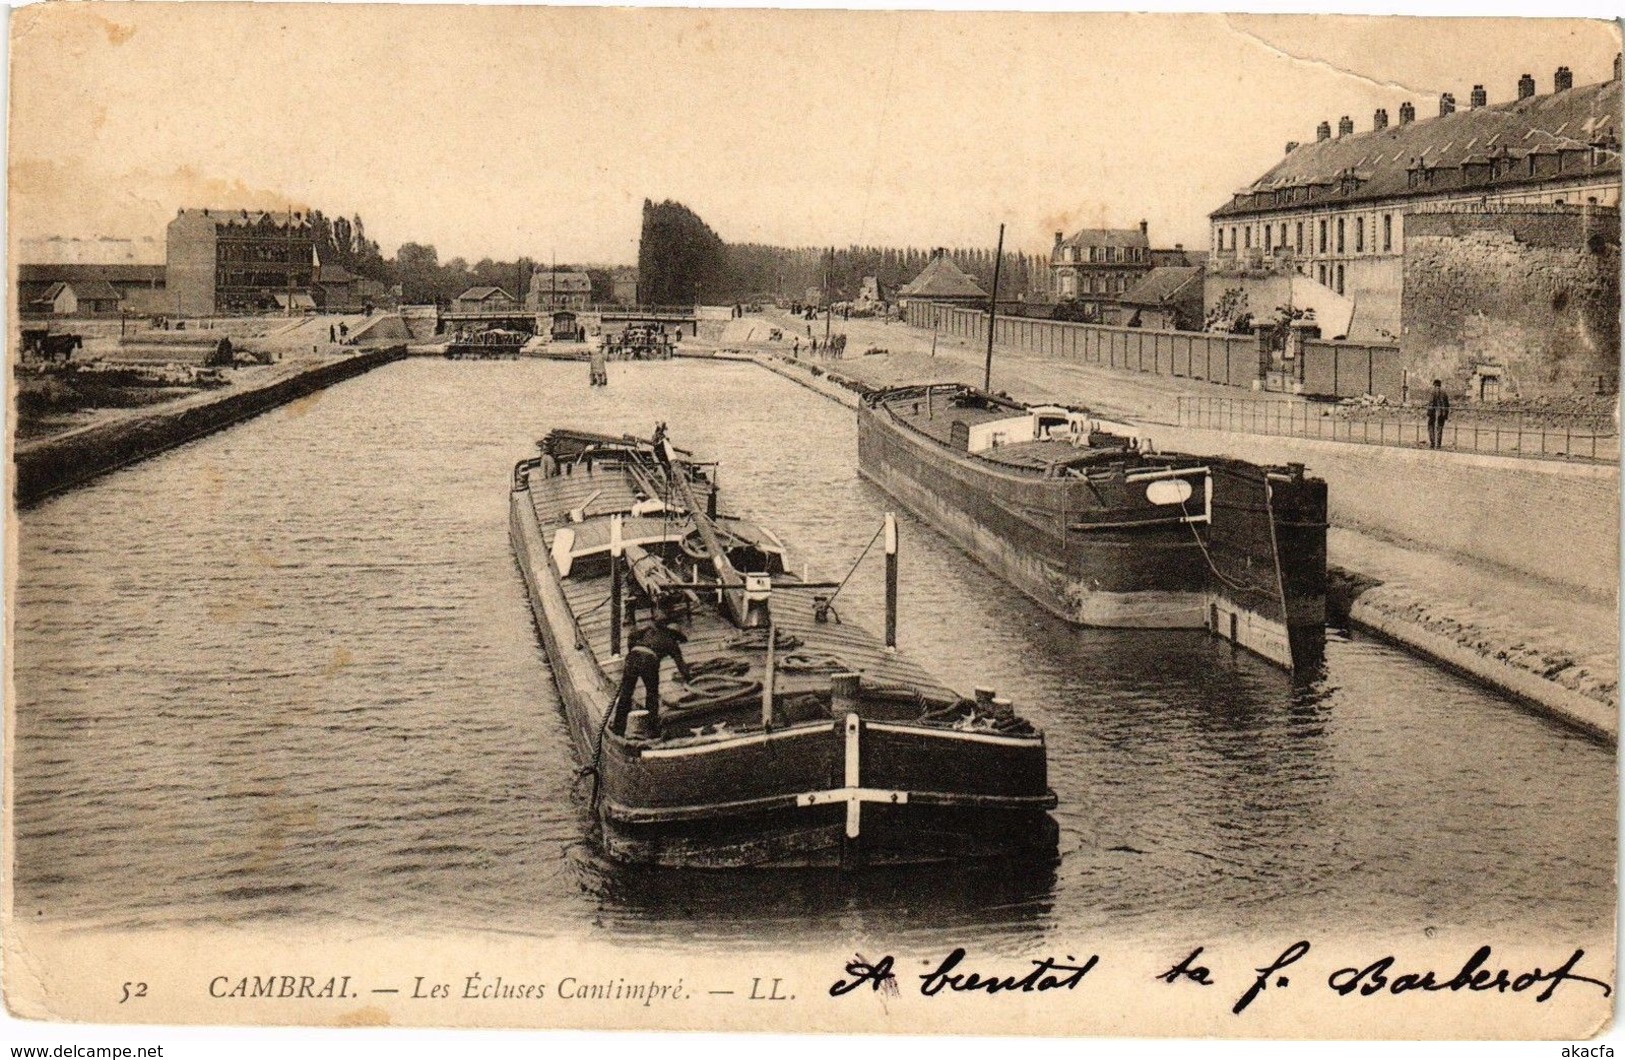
column 679, row 319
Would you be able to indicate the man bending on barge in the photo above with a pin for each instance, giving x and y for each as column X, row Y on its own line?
column 646, row 649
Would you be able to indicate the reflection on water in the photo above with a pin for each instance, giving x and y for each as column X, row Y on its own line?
column 824, row 908
column 288, row 671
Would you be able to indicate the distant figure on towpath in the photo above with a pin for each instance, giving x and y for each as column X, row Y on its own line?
column 1438, row 412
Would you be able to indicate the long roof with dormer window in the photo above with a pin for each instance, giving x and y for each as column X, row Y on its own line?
column 1570, row 134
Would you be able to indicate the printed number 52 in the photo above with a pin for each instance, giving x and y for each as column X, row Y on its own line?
column 133, row 990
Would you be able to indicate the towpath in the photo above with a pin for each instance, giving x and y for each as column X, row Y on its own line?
column 1551, row 640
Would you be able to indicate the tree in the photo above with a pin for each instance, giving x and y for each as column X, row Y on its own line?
column 681, row 261
column 343, row 247
column 417, row 270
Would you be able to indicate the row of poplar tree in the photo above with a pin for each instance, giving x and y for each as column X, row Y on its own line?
column 681, row 261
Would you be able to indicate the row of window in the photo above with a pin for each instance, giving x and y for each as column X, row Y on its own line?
column 1324, row 235
column 276, row 251
column 1116, row 283
column 1110, row 254
column 264, row 280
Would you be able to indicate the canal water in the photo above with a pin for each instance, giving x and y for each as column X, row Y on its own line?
column 287, row 674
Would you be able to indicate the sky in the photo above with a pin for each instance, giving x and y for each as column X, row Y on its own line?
column 501, row 132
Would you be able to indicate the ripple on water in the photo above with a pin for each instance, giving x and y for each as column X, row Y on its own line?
column 288, row 671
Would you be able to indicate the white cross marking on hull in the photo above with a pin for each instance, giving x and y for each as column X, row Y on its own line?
column 853, row 797
column 853, row 794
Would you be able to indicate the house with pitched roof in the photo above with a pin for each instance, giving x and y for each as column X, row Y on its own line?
column 942, row 282
column 81, row 289
column 1338, row 210
column 68, row 298
column 485, row 298
column 1093, row 267
column 1168, row 298
column 559, row 290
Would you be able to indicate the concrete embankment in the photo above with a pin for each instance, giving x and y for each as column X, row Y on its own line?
column 1550, row 519
column 49, row 465
column 1497, row 568
column 1545, row 676
column 833, row 385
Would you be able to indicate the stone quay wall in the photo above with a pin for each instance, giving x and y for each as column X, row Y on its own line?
column 49, row 465
column 1532, row 289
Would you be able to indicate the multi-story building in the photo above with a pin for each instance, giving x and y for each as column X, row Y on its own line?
column 1335, row 210
column 559, row 290
column 1095, row 266
column 238, row 261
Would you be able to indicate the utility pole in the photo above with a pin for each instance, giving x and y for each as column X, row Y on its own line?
column 993, row 312
column 827, row 309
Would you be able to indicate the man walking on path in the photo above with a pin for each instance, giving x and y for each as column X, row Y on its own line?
column 647, row 647
column 1438, row 412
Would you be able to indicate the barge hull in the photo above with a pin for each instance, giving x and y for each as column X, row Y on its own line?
column 847, row 791
column 1167, row 579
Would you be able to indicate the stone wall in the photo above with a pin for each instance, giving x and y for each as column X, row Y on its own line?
column 1534, row 289
column 1487, row 509
column 48, row 465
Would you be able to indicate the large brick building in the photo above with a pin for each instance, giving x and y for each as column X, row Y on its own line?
column 239, row 261
column 1336, row 210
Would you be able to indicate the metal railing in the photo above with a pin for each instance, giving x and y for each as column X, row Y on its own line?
column 1537, row 435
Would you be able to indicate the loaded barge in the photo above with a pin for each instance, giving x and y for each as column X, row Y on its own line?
column 801, row 741
column 1099, row 529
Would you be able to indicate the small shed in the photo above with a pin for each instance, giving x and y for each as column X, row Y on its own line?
column 476, row 299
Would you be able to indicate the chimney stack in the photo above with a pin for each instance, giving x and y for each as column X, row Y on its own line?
column 1379, row 120
column 1323, row 131
column 1145, row 227
column 1291, row 146
column 1057, row 240
column 1447, row 104
column 1345, row 126
column 1616, row 66
column 1407, row 113
column 1526, row 86
column 1564, row 79
column 1479, row 97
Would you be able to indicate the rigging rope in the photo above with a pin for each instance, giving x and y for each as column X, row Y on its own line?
column 865, row 552
column 592, row 768
column 1237, row 586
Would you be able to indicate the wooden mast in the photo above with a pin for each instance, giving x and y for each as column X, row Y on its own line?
column 993, row 312
column 733, row 583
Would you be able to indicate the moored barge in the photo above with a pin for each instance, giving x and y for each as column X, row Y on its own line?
column 802, row 741
column 1099, row 529
column 490, row 344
